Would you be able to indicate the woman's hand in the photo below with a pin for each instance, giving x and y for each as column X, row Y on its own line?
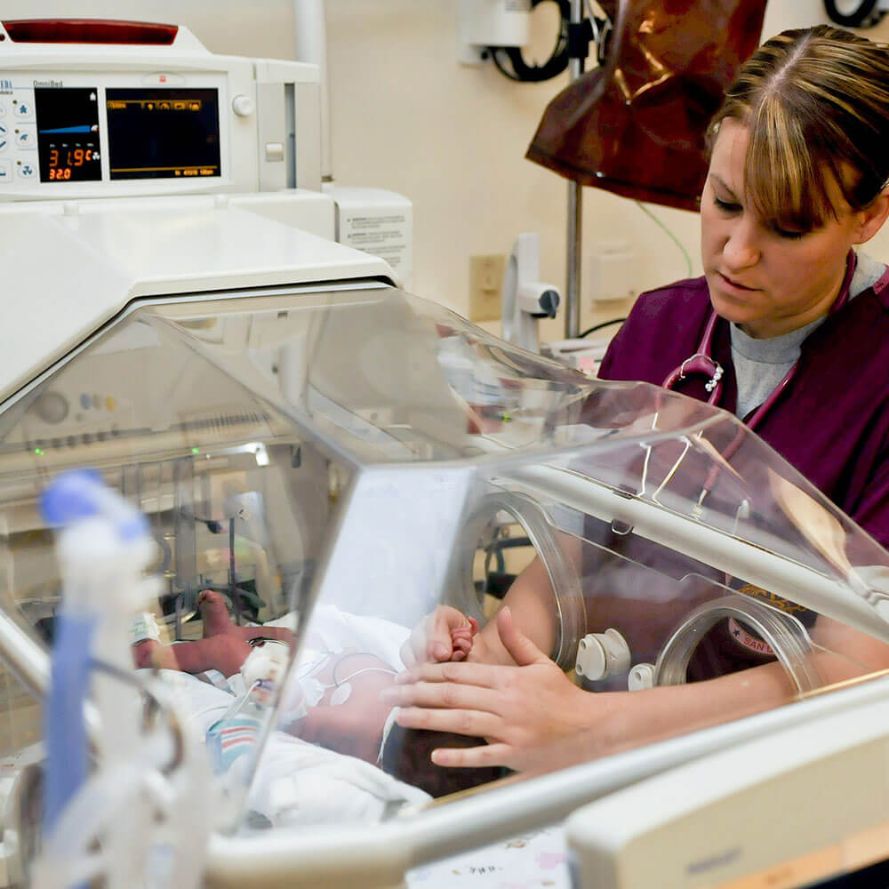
column 531, row 715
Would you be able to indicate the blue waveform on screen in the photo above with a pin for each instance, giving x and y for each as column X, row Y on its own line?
column 78, row 129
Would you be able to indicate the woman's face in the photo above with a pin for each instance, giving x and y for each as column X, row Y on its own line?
column 767, row 279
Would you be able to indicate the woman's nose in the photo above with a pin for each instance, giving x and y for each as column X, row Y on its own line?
column 741, row 249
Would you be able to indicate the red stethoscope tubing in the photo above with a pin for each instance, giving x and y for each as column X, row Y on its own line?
column 714, row 385
column 702, row 361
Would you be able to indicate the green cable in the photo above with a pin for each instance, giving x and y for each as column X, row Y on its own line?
column 669, row 234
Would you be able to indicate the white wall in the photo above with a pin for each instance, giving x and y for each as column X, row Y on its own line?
column 406, row 116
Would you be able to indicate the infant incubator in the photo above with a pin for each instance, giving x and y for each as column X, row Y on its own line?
column 321, row 460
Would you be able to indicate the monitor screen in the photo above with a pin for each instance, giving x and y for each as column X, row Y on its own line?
column 67, row 134
column 163, row 133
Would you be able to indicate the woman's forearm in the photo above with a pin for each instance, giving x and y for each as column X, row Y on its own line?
column 616, row 721
column 530, row 600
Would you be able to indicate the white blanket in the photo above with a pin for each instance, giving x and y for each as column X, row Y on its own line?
column 298, row 783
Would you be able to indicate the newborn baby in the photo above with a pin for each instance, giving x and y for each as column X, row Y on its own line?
column 332, row 696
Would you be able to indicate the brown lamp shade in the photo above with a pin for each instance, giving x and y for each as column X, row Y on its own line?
column 636, row 125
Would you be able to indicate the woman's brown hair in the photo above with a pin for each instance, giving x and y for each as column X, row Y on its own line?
column 816, row 103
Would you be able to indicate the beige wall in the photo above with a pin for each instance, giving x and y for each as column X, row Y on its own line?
column 406, row 116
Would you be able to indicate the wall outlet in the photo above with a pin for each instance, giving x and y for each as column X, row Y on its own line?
column 612, row 272
column 485, row 285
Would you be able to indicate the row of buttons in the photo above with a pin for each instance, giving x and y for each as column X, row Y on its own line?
column 72, row 441
column 17, row 137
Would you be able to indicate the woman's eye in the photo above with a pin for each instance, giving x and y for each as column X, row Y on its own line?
column 726, row 206
column 788, row 234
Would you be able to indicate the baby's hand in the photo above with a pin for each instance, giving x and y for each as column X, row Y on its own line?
column 461, row 639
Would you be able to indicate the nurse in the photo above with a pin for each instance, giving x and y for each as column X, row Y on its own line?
column 788, row 328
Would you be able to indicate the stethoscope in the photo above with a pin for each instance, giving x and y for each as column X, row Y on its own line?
column 702, row 362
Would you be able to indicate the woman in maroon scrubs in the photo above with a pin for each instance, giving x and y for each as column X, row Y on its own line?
column 789, row 327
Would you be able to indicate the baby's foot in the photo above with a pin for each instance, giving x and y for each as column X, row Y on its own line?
column 214, row 613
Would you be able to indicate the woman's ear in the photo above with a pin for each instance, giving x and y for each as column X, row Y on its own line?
column 872, row 217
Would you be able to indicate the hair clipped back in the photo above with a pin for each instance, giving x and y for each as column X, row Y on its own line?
column 816, row 103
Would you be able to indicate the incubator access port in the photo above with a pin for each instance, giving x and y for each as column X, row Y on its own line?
column 482, row 535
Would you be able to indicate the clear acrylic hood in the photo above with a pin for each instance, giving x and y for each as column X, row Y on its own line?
column 339, row 460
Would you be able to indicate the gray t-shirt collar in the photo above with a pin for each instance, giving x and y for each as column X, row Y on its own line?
column 785, row 349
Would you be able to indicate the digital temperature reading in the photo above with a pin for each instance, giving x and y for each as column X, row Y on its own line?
column 68, row 134
column 65, row 163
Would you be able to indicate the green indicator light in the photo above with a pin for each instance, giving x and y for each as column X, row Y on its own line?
column 195, row 451
column 38, row 452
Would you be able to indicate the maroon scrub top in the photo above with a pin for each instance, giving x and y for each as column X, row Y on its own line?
column 831, row 421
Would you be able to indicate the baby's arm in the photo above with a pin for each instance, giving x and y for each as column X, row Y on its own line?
column 224, row 647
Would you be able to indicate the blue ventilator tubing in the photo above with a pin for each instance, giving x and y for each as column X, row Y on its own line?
column 64, row 728
column 70, row 498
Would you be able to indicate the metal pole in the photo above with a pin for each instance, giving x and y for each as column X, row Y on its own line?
column 572, row 289
column 575, row 215
column 24, row 657
column 311, row 46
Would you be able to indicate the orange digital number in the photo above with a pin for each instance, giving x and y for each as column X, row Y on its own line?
column 78, row 157
column 54, row 157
